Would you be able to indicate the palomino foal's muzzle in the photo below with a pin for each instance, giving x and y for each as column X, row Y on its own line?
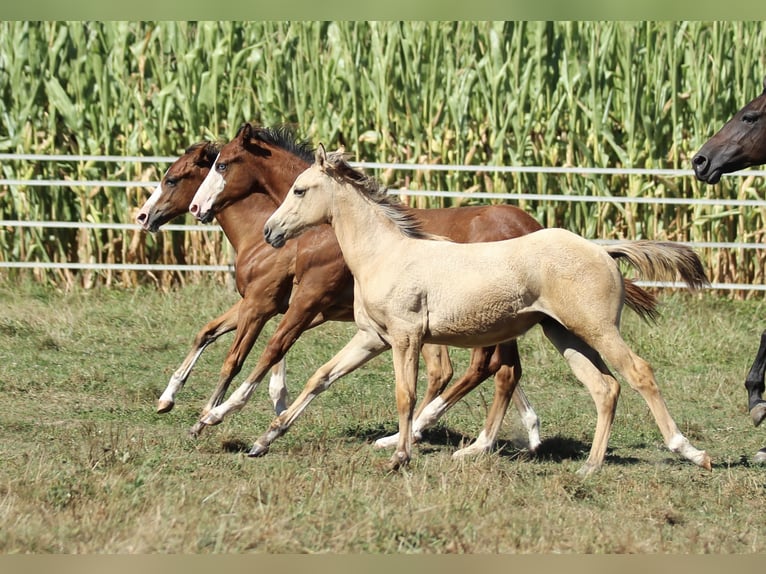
column 273, row 237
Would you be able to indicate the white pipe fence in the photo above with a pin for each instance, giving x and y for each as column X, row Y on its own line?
column 582, row 171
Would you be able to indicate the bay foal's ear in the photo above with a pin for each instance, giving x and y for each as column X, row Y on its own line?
column 320, row 156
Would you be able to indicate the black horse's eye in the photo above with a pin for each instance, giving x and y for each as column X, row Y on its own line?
column 300, row 191
column 750, row 118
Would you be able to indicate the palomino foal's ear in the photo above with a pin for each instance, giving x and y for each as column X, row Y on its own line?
column 320, row 156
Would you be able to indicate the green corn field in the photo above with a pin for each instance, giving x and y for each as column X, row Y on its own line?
column 594, row 94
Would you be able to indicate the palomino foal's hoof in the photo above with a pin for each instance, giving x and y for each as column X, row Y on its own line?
column 164, row 406
column 760, row 456
column 258, row 450
column 758, row 413
column 197, row 429
column 211, row 419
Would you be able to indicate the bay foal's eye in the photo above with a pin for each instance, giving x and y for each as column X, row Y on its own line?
column 171, row 181
column 300, row 191
column 221, row 167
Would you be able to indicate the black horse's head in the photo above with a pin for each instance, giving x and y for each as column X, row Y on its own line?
column 740, row 143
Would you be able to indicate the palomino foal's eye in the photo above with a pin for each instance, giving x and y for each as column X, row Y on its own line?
column 300, row 191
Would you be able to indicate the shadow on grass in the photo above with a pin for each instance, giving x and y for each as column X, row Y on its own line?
column 553, row 449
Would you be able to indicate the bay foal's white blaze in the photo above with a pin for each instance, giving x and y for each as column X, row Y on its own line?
column 406, row 294
column 213, row 184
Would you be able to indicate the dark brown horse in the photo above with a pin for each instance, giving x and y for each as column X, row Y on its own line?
column 244, row 167
column 741, row 143
column 318, row 287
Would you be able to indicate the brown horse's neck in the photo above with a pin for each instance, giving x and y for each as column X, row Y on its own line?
column 275, row 173
column 243, row 221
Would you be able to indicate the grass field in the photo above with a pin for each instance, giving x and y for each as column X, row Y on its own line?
column 88, row 467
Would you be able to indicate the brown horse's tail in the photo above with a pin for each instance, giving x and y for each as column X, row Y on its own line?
column 657, row 261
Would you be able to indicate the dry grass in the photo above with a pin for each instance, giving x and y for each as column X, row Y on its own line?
column 89, row 468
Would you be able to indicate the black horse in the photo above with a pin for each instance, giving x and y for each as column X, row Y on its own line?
column 741, row 143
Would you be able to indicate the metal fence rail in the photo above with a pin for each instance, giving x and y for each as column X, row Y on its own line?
column 583, row 171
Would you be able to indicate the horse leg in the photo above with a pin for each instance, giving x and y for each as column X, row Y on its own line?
column 439, row 368
column 405, row 352
column 640, row 376
column 506, row 364
column 754, row 384
column 431, row 411
column 589, row 368
column 252, row 318
column 209, row 333
column 364, row 346
column 278, row 386
column 439, row 372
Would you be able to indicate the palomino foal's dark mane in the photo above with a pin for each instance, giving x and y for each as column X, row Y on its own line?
column 372, row 189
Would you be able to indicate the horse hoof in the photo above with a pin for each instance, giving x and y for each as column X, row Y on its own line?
column 197, row 429
column 398, row 461
column 470, row 450
column 211, row 419
column 588, row 469
column 760, row 456
column 758, row 413
column 164, row 406
column 257, row 450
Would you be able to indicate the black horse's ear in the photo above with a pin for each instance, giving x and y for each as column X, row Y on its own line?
column 764, row 84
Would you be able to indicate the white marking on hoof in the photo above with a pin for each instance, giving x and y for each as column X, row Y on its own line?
column 387, row 441
column 681, row 445
column 392, row 440
column 480, row 445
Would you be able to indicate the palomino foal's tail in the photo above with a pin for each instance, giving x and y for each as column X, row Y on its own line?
column 657, row 261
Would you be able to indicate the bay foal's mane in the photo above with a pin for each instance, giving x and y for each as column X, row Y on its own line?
column 282, row 137
column 370, row 188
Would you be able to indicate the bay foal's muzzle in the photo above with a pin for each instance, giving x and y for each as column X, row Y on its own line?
column 205, row 216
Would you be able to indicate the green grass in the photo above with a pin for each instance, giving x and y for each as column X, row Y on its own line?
column 88, row 467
